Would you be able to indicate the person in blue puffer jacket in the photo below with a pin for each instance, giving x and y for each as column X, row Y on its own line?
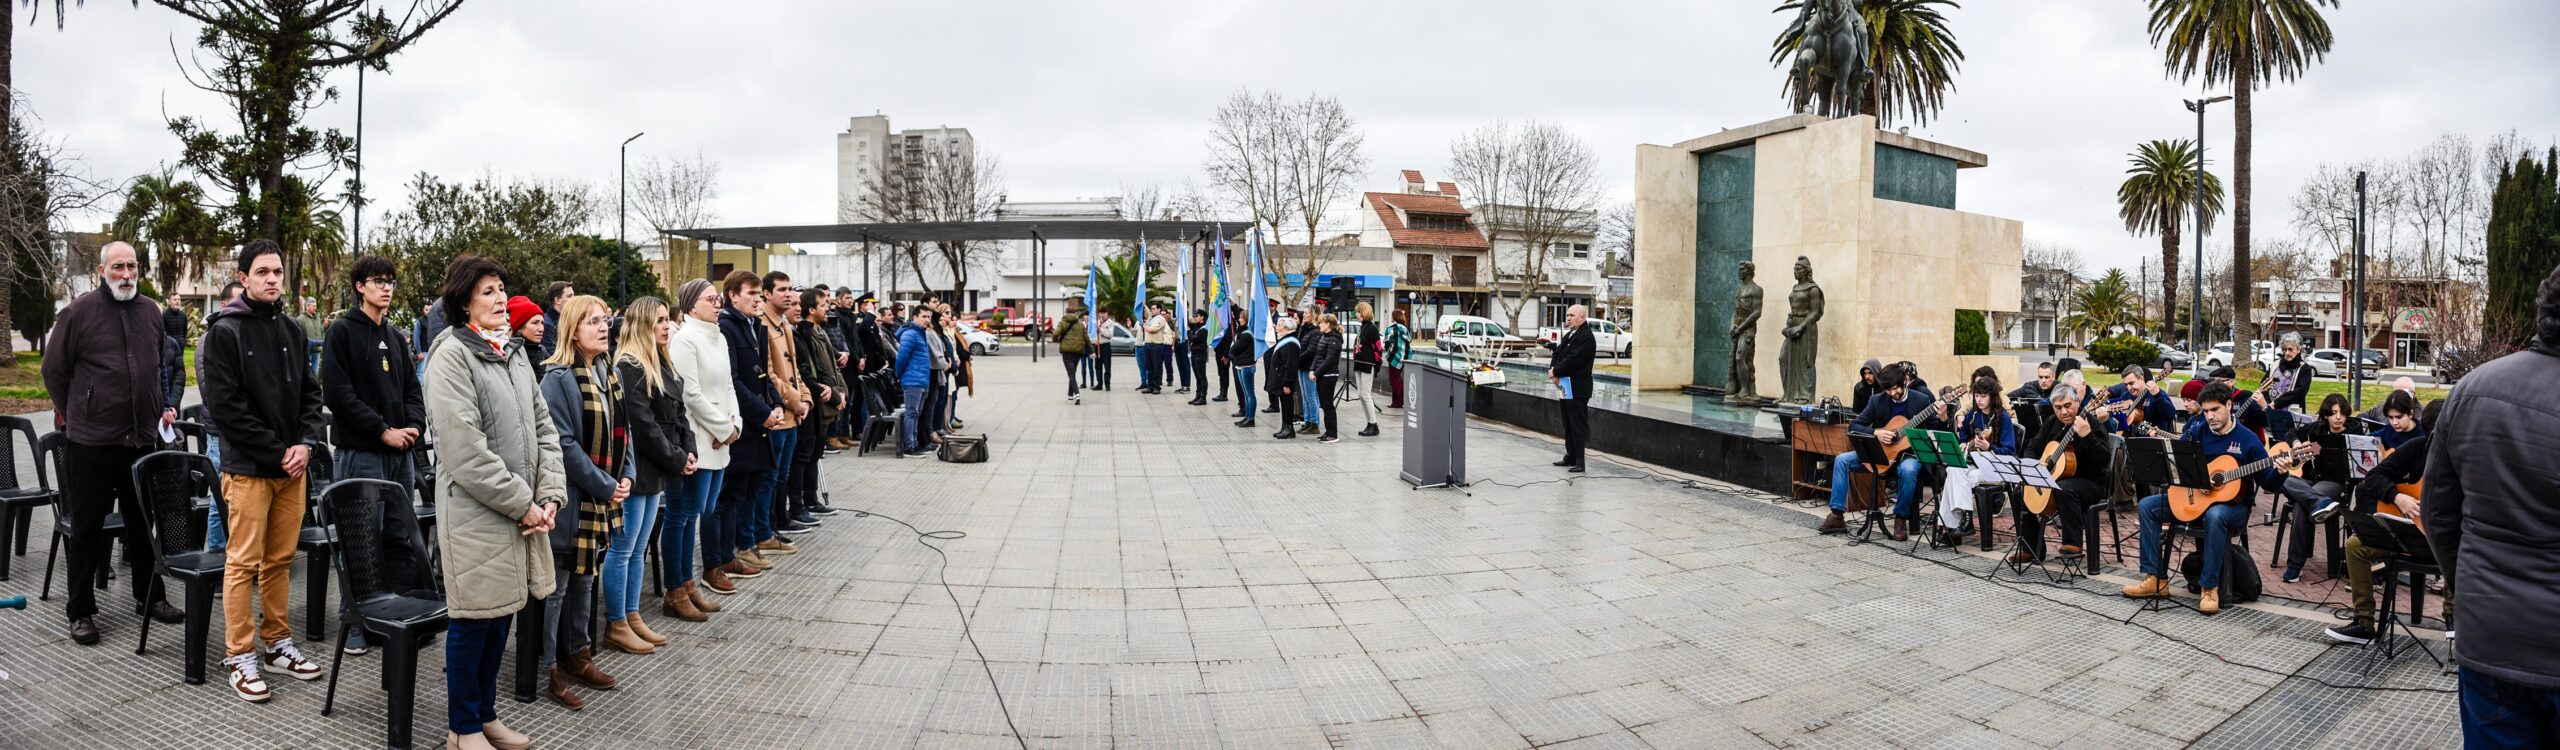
column 915, row 376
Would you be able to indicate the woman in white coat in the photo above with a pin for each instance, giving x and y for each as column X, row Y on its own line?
column 700, row 356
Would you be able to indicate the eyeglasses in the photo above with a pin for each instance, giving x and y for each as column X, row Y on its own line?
column 383, row 280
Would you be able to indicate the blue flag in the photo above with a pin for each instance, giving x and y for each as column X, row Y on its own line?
column 1182, row 294
column 1092, row 316
column 1217, row 282
column 1255, row 296
column 1138, row 306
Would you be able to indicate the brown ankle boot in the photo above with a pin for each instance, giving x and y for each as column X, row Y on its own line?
column 581, row 666
column 641, row 627
column 2150, row 586
column 679, row 604
column 700, row 602
column 1833, row 524
column 2212, row 601
column 560, row 692
column 619, row 636
column 1901, row 529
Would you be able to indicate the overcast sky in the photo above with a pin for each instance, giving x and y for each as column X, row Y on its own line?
column 1078, row 99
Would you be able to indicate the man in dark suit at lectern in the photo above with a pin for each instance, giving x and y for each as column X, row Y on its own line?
column 1570, row 369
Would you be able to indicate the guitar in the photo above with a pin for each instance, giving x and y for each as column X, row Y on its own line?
column 2058, row 461
column 1894, row 444
column 2411, row 489
column 2227, row 473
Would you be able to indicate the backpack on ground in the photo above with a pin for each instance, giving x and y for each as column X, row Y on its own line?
column 2240, row 584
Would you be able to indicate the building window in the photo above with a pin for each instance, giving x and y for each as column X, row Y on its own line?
column 1462, row 271
column 1438, row 222
column 1417, row 269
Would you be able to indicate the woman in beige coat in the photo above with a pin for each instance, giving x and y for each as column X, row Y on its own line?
column 499, row 459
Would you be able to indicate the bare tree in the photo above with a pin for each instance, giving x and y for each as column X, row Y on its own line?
column 1248, row 157
column 40, row 186
column 937, row 185
column 2441, row 192
column 1617, row 237
column 1535, row 186
column 669, row 194
column 1324, row 158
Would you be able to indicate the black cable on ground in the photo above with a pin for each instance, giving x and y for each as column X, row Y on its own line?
column 943, row 572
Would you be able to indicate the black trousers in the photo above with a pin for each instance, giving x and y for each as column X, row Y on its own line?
column 1577, row 428
column 1101, row 366
column 1289, row 404
column 804, row 470
column 1325, row 385
column 2297, row 549
column 1200, row 374
column 1075, row 371
column 98, row 480
column 2071, row 499
column 1224, row 367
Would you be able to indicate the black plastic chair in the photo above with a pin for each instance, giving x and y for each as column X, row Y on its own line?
column 18, row 503
column 315, row 544
column 398, row 623
column 50, row 447
column 170, row 483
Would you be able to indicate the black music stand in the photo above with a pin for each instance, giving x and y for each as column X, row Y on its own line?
column 1872, row 460
column 2023, row 472
column 2166, row 463
column 1934, row 448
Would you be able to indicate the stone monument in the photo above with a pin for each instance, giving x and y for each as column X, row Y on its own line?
column 1803, row 336
column 1742, row 381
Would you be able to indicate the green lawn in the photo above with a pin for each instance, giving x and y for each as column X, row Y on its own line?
column 2320, row 389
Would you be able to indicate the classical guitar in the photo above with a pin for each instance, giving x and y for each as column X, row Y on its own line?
column 2227, row 474
column 1894, row 444
column 2058, row 461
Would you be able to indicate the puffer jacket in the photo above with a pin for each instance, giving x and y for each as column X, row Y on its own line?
column 2489, row 512
column 497, row 457
column 1324, row 354
column 700, row 358
column 915, row 357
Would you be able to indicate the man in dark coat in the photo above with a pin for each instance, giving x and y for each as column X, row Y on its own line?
column 102, row 367
column 2489, row 502
column 1570, row 369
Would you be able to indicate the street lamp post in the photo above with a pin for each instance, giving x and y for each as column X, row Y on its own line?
column 2195, row 302
column 622, row 205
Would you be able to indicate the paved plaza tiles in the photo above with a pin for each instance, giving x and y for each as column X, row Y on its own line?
column 1140, row 574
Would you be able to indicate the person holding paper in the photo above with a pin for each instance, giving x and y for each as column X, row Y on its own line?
column 1570, row 369
column 2072, row 495
column 1985, row 427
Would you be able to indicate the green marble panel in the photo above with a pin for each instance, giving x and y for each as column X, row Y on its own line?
column 1725, row 180
column 1914, row 177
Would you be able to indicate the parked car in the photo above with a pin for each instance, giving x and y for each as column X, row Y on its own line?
column 2333, row 363
column 1465, row 332
column 1013, row 319
column 1606, row 338
column 2220, row 356
column 2170, row 357
column 981, row 343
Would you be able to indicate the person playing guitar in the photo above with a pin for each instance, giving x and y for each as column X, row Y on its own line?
column 1896, row 406
column 2218, row 435
column 2081, row 436
column 2322, row 491
column 2390, row 482
column 2148, row 404
column 1984, row 426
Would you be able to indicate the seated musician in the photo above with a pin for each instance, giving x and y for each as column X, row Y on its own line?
column 1984, row 425
column 2039, row 390
column 2149, row 404
column 2249, row 407
column 2220, row 434
column 2073, row 494
column 2399, row 420
column 2406, row 465
column 1897, row 399
column 2314, row 497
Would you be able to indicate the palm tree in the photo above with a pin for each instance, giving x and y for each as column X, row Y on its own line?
column 167, row 217
column 1116, row 285
column 2243, row 42
column 312, row 233
column 1914, row 58
column 2104, row 305
column 2159, row 195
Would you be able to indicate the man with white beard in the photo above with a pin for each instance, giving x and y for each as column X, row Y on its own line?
column 102, row 368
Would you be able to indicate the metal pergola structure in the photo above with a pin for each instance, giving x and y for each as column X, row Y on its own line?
column 909, row 234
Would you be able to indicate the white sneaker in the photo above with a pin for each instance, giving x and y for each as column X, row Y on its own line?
column 282, row 655
column 246, row 681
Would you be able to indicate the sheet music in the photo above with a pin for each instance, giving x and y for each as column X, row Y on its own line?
column 2363, row 453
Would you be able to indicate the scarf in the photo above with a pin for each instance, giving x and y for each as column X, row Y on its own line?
column 598, row 517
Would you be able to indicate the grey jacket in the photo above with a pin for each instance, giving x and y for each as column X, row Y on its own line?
column 2492, row 508
column 498, row 456
column 586, row 480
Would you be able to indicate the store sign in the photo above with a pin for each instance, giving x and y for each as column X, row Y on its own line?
column 2413, row 320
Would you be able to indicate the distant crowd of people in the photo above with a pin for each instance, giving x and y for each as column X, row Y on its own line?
column 1299, row 360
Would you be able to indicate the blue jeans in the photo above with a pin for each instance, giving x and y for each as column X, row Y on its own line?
column 1906, row 483
column 2501, row 714
column 473, row 652
column 217, row 535
column 1146, row 366
column 687, row 502
column 912, row 440
column 755, row 522
column 624, row 573
column 1182, row 364
column 1245, row 403
column 2220, row 522
column 1307, row 396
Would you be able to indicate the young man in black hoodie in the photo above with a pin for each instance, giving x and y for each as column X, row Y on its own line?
column 260, row 389
column 102, row 368
column 377, row 417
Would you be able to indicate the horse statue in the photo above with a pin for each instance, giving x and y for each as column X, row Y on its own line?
column 1830, row 74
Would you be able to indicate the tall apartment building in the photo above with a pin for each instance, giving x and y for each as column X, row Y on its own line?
column 868, row 148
